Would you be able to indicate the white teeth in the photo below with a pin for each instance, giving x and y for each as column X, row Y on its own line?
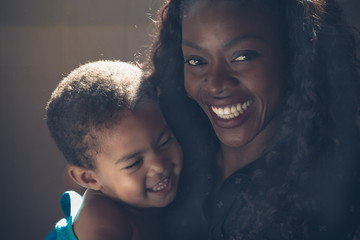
column 161, row 185
column 232, row 111
column 238, row 107
column 244, row 106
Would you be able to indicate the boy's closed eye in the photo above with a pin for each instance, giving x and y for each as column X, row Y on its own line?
column 134, row 164
column 164, row 142
column 131, row 161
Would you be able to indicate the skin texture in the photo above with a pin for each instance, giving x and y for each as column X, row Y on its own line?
column 135, row 156
column 103, row 218
column 137, row 153
column 234, row 55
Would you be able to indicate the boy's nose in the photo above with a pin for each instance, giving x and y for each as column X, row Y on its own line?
column 157, row 165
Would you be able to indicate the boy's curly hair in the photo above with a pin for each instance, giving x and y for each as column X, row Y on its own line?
column 92, row 97
column 316, row 150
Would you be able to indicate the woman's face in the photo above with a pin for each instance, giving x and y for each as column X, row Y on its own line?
column 234, row 67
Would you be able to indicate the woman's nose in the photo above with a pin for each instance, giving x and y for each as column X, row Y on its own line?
column 218, row 79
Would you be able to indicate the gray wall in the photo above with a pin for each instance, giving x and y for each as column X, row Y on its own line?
column 40, row 41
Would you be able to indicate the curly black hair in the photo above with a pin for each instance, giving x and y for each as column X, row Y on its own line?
column 93, row 97
column 316, row 150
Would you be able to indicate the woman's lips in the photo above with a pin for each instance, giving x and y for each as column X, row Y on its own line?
column 232, row 111
column 231, row 115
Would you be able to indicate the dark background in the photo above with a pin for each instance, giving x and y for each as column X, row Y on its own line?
column 40, row 41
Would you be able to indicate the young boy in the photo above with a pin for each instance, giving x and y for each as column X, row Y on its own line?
column 105, row 119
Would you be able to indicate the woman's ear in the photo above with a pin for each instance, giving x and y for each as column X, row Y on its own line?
column 84, row 177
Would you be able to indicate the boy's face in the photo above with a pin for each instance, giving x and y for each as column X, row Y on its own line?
column 140, row 160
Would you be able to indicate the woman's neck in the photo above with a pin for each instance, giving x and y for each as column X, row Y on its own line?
column 231, row 159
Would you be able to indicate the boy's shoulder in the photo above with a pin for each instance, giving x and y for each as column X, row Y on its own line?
column 102, row 218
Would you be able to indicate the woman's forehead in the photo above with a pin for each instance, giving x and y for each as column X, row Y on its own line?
column 230, row 15
column 273, row 7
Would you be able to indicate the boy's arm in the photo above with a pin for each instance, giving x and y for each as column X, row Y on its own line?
column 102, row 219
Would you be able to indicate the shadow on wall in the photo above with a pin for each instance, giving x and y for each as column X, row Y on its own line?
column 40, row 40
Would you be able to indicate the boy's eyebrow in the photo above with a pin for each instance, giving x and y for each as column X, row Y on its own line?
column 135, row 154
column 129, row 156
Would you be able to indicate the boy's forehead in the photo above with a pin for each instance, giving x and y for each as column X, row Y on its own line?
column 145, row 112
column 137, row 130
column 146, row 105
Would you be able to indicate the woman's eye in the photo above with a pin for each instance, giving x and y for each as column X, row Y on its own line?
column 240, row 58
column 134, row 164
column 164, row 143
column 194, row 61
column 245, row 56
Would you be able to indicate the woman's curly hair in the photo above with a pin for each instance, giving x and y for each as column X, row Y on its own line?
column 316, row 156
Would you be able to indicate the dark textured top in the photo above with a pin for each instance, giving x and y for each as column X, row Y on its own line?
column 218, row 205
column 199, row 212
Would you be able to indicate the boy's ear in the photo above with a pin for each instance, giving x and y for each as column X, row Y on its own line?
column 84, row 177
column 158, row 91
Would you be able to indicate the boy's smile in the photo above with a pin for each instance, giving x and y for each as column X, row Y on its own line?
column 159, row 187
column 140, row 160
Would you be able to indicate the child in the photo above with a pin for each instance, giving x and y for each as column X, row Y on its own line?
column 105, row 119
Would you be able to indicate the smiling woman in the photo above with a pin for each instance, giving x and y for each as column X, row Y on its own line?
column 274, row 112
column 239, row 65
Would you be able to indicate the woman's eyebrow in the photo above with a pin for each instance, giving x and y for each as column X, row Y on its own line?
column 191, row 45
column 227, row 43
column 241, row 38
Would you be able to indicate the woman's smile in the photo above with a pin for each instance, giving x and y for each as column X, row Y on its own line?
column 232, row 111
column 230, row 116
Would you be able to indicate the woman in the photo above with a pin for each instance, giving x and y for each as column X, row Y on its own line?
column 279, row 82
